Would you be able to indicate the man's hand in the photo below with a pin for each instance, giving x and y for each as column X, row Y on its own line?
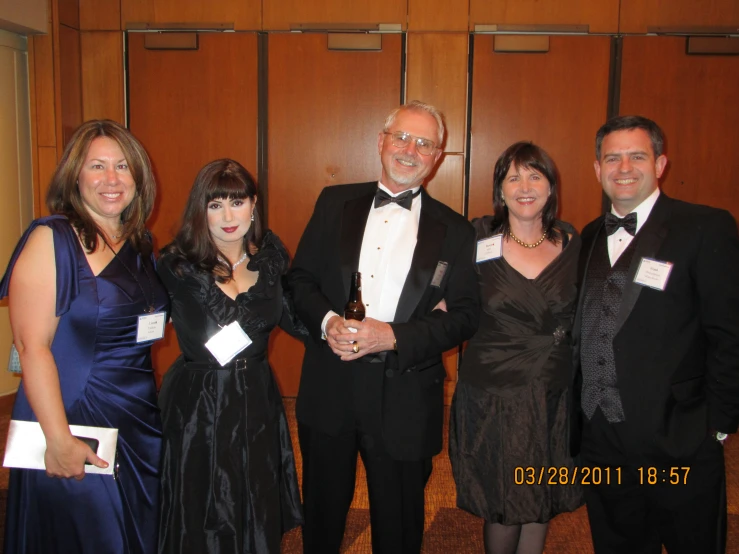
column 371, row 336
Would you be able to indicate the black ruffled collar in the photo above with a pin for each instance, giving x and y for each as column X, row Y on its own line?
column 270, row 262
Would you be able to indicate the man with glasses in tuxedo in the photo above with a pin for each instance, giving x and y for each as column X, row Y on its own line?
column 375, row 388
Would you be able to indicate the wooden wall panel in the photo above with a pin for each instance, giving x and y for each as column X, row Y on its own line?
column 102, row 75
column 557, row 100
column 47, row 158
column 34, row 131
column 100, row 15
column 43, row 91
column 279, row 14
column 185, row 122
column 451, row 362
column 69, row 13
column 244, row 14
column 702, row 93
column 70, row 83
column 438, row 15
column 638, row 15
column 602, row 16
column 447, row 183
column 437, row 74
column 326, row 109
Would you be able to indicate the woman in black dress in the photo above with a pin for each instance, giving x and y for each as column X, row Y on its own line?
column 510, row 409
column 229, row 483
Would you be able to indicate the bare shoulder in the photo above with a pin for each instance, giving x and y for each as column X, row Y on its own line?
column 36, row 261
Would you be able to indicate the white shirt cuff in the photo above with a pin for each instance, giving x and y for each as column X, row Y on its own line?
column 328, row 316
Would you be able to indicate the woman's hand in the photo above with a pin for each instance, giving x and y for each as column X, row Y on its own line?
column 66, row 458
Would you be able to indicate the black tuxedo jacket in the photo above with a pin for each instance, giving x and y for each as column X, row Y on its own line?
column 412, row 379
column 677, row 350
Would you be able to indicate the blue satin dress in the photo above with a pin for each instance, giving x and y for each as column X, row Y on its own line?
column 106, row 380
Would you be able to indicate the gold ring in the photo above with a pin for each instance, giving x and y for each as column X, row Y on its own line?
column 355, row 348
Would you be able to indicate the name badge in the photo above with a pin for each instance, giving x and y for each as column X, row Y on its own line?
column 490, row 248
column 228, row 342
column 439, row 274
column 653, row 273
column 151, row 327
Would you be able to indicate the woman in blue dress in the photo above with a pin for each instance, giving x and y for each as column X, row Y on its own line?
column 81, row 283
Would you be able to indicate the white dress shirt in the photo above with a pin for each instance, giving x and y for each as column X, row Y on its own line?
column 620, row 240
column 390, row 237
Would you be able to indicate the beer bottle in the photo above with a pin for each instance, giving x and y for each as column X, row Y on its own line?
column 354, row 309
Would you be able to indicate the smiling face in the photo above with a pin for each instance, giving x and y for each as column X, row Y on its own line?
column 405, row 168
column 105, row 181
column 627, row 169
column 229, row 219
column 525, row 191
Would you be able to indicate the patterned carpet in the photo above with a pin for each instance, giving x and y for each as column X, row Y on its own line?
column 448, row 529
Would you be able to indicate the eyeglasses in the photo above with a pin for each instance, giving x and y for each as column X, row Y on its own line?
column 402, row 140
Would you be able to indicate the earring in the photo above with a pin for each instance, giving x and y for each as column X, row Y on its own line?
column 252, row 215
column 502, row 199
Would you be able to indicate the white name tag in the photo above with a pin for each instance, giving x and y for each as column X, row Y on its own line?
column 490, row 248
column 151, row 327
column 653, row 273
column 439, row 274
column 228, row 342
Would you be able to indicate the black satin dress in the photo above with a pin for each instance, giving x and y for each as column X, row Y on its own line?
column 510, row 409
column 229, row 484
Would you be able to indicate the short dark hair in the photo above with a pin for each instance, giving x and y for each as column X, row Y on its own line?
column 530, row 156
column 227, row 179
column 64, row 198
column 629, row 123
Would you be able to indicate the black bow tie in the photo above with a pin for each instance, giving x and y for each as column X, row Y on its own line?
column 403, row 200
column 613, row 222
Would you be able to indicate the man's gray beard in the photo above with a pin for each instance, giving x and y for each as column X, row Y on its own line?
column 406, row 180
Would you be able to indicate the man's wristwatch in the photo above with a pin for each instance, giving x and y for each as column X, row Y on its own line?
column 720, row 437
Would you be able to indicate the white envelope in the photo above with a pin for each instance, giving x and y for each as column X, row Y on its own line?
column 26, row 445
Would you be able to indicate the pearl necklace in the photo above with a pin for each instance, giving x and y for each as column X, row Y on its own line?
column 238, row 263
column 526, row 244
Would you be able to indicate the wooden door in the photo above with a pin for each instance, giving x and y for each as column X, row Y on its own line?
column 325, row 110
column 694, row 100
column 600, row 17
column 189, row 107
column 642, row 16
column 557, row 100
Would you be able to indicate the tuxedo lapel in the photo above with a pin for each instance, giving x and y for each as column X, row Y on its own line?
column 431, row 233
column 353, row 222
column 651, row 236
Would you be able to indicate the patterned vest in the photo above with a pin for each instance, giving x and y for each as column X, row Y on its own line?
column 604, row 288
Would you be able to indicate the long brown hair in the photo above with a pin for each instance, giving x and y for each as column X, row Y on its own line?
column 64, row 198
column 220, row 179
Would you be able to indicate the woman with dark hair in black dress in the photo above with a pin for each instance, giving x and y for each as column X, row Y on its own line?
column 229, row 484
column 510, row 409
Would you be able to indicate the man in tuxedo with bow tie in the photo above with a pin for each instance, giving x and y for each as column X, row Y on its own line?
column 656, row 354
column 378, row 392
